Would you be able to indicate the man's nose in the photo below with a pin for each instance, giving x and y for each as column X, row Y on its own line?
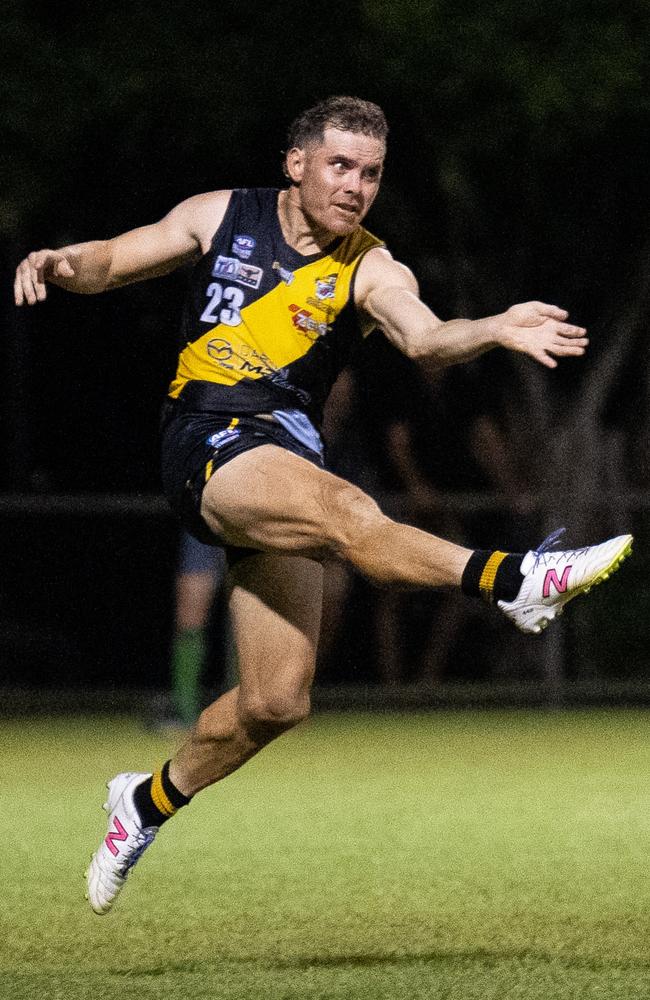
column 353, row 182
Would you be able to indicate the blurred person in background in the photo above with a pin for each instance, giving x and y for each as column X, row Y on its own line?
column 286, row 283
column 200, row 577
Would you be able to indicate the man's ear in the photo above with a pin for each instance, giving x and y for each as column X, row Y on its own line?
column 294, row 164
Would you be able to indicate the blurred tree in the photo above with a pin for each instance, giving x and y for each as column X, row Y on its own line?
column 528, row 159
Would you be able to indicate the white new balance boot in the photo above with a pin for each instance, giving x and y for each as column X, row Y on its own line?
column 121, row 847
column 551, row 579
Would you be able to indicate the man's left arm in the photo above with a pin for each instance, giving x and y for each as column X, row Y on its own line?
column 386, row 293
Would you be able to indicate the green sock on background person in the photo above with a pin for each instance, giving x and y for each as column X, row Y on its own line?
column 188, row 657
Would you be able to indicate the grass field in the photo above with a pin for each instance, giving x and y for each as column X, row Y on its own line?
column 448, row 855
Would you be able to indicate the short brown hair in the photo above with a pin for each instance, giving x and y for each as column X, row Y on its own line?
column 350, row 114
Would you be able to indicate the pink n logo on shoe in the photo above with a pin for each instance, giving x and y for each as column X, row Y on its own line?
column 559, row 584
column 119, row 834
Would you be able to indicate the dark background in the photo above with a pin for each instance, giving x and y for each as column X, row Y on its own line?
column 517, row 169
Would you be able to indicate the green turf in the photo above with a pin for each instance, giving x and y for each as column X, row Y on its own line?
column 452, row 855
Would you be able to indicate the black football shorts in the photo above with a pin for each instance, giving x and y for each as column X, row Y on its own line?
column 196, row 444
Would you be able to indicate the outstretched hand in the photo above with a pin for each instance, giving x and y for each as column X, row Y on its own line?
column 32, row 273
column 541, row 330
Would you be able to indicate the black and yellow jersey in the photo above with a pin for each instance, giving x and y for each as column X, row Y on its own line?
column 265, row 327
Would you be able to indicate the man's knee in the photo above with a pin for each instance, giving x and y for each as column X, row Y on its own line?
column 268, row 714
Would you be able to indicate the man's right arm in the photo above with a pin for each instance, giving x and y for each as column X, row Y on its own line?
column 87, row 268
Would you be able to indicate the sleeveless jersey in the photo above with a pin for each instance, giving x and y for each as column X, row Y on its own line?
column 265, row 327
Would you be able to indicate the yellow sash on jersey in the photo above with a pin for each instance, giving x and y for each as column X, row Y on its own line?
column 277, row 328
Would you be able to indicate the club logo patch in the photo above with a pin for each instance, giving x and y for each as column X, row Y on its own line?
column 235, row 270
column 243, row 246
column 326, row 287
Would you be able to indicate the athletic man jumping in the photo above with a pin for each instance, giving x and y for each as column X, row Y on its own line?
column 285, row 284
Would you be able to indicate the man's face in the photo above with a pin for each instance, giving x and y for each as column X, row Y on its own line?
column 338, row 180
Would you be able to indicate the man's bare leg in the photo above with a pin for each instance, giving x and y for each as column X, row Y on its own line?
column 271, row 499
column 296, row 513
column 275, row 500
column 275, row 609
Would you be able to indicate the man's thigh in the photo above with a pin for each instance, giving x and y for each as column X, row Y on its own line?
column 271, row 499
column 275, row 614
column 197, row 446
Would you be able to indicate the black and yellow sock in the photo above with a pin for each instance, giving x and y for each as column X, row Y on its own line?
column 157, row 799
column 494, row 576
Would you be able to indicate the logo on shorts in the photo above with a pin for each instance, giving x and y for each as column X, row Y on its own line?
column 235, row 270
column 285, row 275
column 326, row 287
column 243, row 246
column 223, row 437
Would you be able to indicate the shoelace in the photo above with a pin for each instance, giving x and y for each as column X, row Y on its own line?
column 142, row 839
column 550, row 543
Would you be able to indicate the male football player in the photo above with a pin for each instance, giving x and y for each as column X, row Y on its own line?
column 285, row 283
